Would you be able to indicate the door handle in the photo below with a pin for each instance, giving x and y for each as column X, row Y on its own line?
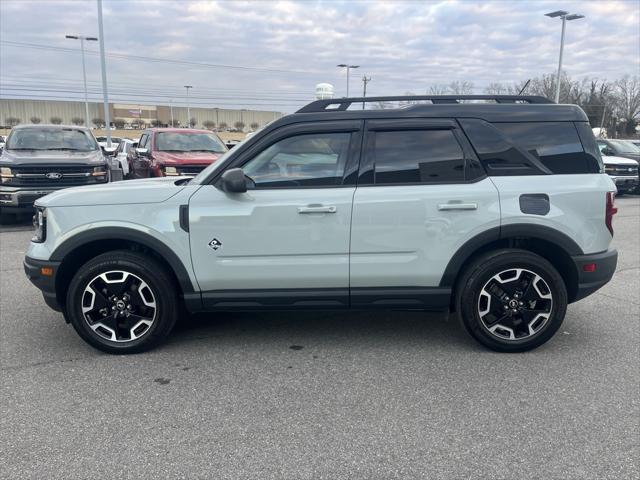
column 458, row 206
column 317, row 209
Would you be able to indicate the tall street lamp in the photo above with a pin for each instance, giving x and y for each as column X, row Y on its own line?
column 188, row 87
column 82, row 38
column 348, row 67
column 103, row 69
column 565, row 16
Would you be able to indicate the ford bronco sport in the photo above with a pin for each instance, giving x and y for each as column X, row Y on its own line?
column 494, row 207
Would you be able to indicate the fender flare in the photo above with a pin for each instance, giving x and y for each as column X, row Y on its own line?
column 505, row 232
column 122, row 233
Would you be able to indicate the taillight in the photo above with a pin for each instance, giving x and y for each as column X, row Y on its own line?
column 611, row 210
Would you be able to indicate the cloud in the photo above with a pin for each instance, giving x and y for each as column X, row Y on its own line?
column 403, row 46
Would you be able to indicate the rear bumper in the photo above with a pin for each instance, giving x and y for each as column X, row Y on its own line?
column 590, row 281
column 46, row 283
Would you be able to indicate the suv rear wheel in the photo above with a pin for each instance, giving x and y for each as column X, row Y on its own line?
column 122, row 302
column 511, row 300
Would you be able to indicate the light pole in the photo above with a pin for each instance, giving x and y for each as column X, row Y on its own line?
column 565, row 16
column 103, row 67
column 348, row 67
column 188, row 87
column 171, row 108
column 365, row 80
column 82, row 38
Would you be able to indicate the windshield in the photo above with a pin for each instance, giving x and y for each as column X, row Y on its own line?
column 188, row 142
column 51, row 139
column 625, row 146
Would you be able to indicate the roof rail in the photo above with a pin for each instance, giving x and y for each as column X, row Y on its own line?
column 340, row 104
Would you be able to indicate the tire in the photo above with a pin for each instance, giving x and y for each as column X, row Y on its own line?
column 145, row 304
column 500, row 278
column 7, row 218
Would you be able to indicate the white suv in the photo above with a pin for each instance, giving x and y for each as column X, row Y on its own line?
column 499, row 211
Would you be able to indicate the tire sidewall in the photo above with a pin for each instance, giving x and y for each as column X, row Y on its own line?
column 489, row 266
column 146, row 269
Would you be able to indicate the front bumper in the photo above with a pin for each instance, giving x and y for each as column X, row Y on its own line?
column 33, row 268
column 590, row 281
column 22, row 198
column 625, row 183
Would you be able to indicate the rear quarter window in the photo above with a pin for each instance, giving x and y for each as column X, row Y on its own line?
column 556, row 145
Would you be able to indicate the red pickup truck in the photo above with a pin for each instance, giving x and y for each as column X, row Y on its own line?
column 175, row 151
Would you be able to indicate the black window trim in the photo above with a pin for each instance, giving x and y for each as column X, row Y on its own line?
column 366, row 173
column 354, row 127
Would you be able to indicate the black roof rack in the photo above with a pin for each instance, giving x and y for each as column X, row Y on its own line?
column 340, row 104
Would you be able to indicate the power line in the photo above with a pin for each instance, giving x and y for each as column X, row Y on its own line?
column 123, row 56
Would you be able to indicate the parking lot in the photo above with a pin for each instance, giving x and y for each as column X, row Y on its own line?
column 323, row 395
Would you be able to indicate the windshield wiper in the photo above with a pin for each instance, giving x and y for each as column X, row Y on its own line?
column 67, row 149
column 203, row 150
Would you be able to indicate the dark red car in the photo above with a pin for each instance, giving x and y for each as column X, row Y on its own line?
column 175, row 151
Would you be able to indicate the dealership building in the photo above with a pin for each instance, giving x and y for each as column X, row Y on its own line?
column 14, row 111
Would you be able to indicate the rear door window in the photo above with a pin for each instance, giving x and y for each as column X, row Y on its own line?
column 417, row 156
column 555, row 144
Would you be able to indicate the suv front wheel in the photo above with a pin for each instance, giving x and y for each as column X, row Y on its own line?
column 511, row 300
column 122, row 302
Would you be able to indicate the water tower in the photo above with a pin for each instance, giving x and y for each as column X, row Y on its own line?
column 324, row 91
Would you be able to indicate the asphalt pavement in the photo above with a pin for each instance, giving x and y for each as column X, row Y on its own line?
column 323, row 395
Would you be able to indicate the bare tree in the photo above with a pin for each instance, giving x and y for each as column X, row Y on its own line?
column 437, row 90
column 55, row 120
column 239, row 125
column 193, row 122
column 255, row 125
column 460, row 88
column 12, row 121
column 174, row 123
column 496, row 88
column 98, row 122
column 223, row 125
column 209, row 124
column 627, row 101
column 77, row 121
column 35, row 120
column 119, row 123
column 156, row 123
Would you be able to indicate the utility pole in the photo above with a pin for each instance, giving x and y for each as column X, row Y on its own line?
column 103, row 64
column 365, row 80
column 188, row 87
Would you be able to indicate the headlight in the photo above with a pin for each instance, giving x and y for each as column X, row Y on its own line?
column 5, row 174
column 40, row 226
column 100, row 173
column 609, row 169
column 170, row 171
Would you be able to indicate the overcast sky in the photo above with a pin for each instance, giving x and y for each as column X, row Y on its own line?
column 273, row 53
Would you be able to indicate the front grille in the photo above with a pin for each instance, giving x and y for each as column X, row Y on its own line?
column 191, row 170
column 52, row 175
column 622, row 170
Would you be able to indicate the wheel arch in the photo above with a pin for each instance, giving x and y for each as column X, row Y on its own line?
column 554, row 246
column 80, row 248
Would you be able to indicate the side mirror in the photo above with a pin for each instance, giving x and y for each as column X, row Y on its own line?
column 143, row 152
column 233, row 181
